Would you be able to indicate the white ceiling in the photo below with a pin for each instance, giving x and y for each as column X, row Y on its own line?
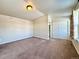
column 16, row 8
column 77, row 7
column 56, row 7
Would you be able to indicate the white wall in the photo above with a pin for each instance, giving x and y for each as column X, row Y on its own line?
column 41, row 29
column 76, row 29
column 60, row 27
column 12, row 29
column 75, row 13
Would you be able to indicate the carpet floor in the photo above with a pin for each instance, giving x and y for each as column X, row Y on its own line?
column 35, row 48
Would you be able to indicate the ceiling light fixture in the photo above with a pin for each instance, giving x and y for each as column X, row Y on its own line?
column 29, row 7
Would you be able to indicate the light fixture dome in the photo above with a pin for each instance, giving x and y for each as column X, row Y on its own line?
column 29, row 7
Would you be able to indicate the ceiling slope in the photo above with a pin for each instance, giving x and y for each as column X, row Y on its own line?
column 56, row 7
column 16, row 8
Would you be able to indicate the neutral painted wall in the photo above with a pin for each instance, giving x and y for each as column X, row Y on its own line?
column 12, row 29
column 41, row 27
column 76, row 29
column 75, row 13
column 60, row 27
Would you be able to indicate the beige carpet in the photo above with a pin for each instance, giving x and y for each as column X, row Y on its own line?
column 35, row 48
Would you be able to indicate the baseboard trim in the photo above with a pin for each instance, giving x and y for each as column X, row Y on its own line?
column 13, row 41
column 40, row 38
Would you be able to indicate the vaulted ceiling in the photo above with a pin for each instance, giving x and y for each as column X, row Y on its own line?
column 16, row 8
column 56, row 7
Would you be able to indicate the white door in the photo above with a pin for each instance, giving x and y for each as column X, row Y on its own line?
column 61, row 29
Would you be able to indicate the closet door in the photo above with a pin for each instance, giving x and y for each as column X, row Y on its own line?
column 60, row 29
column 76, row 24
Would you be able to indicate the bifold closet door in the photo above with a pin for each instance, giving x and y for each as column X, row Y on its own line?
column 60, row 29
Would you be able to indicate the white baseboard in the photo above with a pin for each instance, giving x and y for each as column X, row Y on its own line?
column 5, row 42
column 76, row 45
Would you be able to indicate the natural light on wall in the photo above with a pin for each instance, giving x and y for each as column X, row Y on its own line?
column 49, row 20
column 49, row 24
column 76, row 24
